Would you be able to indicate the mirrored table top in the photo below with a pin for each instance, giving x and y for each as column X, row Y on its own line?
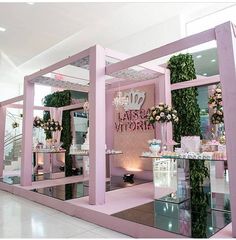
column 197, row 217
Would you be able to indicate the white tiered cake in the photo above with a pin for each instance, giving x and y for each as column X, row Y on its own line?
column 85, row 145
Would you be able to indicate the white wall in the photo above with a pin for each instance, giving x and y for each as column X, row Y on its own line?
column 150, row 38
column 10, row 78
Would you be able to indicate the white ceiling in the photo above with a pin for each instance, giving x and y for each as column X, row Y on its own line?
column 32, row 29
column 41, row 34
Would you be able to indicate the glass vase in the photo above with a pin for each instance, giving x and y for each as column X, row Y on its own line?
column 163, row 136
column 219, row 131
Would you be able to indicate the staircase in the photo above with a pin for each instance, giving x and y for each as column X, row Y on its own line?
column 12, row 150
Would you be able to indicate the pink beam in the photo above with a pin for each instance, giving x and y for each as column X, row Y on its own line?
column 226, row 49
column 72, row 107
column 196, row 82
column 97, row 126
column 121, row 56
column 27, row 136
column 2, row 137
column 20, row 106
column 165, row 50
column 12, row 100
column 58, row 65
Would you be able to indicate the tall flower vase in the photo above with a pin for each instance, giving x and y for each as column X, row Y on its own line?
column 163, row 136
column 219, row 132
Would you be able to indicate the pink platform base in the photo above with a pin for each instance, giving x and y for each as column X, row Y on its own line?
column 116, row 201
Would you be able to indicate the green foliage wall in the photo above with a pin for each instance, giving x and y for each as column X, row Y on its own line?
column 184, row 100
column 60, row 99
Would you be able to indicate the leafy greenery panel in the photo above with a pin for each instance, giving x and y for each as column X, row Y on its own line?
column 60, row 99
column 185, row 102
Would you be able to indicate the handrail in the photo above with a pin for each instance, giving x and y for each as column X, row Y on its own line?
column 12, row 137
column 14, row 140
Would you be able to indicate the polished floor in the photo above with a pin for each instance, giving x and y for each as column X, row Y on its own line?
column 21, row 218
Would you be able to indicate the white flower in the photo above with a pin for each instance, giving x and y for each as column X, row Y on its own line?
column 154, row 113
column 218, row 90
column 162, row 114
column 161, row 108
column 56, row 128
column 51, row 128
column 157, row 118
column 219, row 112
column 169, row 108
column 151, row 118
column 168, row 116
column 173, row 116
column 177, row 119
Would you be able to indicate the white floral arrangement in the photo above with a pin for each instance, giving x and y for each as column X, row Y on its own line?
column 162, row 113
column 38, row 122
column 86, row 107
column 52, row 125
column 215, row 102
column 154, row 142
column 15, row 125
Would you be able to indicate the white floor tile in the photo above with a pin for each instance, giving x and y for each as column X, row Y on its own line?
column 21, row 218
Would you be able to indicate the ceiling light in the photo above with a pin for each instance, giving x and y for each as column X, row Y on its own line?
column 198, row 56
column 213, row 60
column 2, row 29
column 30, row 3
column 204, row 74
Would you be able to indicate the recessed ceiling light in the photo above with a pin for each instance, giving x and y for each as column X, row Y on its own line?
column 198, row 56
column 204, row 74
column 30, row 3
column 213, row 60
column 2, row 29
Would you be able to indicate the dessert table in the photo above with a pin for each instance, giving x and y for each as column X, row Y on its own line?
column 49, row 161
column 173, row 172
column 85, row 155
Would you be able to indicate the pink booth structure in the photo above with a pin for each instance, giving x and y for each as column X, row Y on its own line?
column 110, row 71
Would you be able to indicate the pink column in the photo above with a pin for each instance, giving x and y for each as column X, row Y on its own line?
column 226, row 47
column 97, row 126
column 109, row 120
column 2, row 137
column 27, row 136
column 109, row 131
